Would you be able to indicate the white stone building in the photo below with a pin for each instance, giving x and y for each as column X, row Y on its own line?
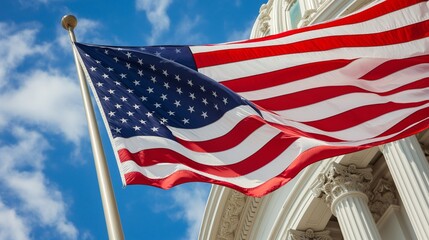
column 379, row 193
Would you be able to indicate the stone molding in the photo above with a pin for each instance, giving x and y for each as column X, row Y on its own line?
column 231, row 216
column 264, row 19
column 308, row 234
column 248, row 217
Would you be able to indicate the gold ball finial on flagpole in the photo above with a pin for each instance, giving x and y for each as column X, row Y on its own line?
column 69, row 22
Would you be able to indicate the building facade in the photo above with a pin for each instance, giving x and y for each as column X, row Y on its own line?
column 378, row 193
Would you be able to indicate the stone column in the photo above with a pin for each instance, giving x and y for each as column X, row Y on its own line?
column 410, row 172
column 344, row 190
column 308, row 234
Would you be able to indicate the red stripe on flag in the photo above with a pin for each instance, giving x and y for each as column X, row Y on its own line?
column 183, row 176
column 352, row 118
column 260, row 158
column 239, row 133
column 298, row 133
column 378, row 10
column 284, row 75
column 395, row 65
column 409, row 121
column 315, row 95
column 395, row 36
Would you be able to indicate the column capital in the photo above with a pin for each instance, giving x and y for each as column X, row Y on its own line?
column 308, row 234
column 340, row 180
column 383, row 195
column 344, row 189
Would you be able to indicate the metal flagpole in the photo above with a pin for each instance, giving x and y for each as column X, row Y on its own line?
column 111, row 214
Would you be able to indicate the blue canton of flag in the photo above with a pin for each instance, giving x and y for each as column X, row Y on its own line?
column 142, row 91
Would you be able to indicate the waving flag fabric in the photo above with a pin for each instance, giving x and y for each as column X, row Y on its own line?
column 250, row 115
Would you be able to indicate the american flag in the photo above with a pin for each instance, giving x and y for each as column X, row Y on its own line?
column 250, row 115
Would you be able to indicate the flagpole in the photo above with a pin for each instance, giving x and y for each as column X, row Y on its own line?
column 111, row 214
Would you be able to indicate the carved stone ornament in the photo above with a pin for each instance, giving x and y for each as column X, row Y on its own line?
column 383, row 195
column 340, row 180
column 308, row 234
column 264, row 19
column 231, row 216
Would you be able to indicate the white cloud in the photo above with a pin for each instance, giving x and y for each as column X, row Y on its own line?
column 47, row 99
column 42, row 200
column 12, row 226
column 21, row 174
column 156, row 13
column 36, row 3
column 236, row 35
column 191, row 202
column 38, row 96
column 15, row 46
column 186, row 32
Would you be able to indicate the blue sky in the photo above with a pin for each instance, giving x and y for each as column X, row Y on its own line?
column 48, row 186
